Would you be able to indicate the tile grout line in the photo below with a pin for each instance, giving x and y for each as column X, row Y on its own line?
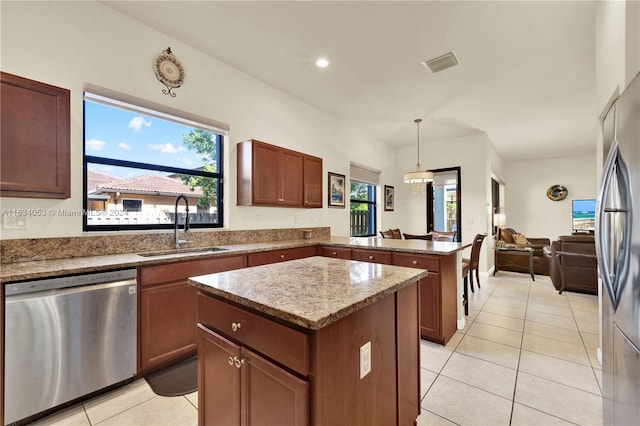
column 515, row 384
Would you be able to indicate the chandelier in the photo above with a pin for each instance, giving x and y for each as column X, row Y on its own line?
column 418, row 179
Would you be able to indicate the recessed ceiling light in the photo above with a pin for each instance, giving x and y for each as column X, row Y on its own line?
column 322, row 63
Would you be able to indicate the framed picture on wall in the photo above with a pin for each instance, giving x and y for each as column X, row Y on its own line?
column 336, row 190
column 389, row 195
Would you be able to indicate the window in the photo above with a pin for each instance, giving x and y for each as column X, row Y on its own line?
column 139, row 159
column 132, row 205
column 363, row 209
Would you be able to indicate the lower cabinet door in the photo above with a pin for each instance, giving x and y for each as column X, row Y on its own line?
column 238, row 387
column 167, row 324
column 270, row 395
column 430, row 299
column 218, row 380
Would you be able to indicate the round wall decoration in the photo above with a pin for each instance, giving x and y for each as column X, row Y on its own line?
column 557, row 192
column 169, row 71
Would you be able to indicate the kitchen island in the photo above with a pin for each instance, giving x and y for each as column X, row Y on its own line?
column 316, row 341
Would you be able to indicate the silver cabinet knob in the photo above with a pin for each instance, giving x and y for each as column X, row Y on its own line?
column 370, row 257
column 238, row 362
column 334, row 253
column 230, row 361
column 235, row 326
column 415, row 262
column 282, row 256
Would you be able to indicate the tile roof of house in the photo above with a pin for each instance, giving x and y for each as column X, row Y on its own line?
column 96, row 179
column 148, row 184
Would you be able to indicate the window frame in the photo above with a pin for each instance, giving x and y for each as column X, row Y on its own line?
column 373, row 209
column 168, row 114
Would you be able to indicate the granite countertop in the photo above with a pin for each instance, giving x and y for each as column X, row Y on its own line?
column 20, row 271
column 312, row 292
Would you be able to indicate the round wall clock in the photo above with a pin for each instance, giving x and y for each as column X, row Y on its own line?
column 557, row 192
column 169, row 71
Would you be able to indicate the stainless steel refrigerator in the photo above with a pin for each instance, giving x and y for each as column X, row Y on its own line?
column 618, row 249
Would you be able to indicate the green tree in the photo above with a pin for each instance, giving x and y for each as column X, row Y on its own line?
column 204, row 143
column 359, row 191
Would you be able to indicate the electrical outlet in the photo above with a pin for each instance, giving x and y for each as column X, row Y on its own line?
column 15, row 222
column 365, row 359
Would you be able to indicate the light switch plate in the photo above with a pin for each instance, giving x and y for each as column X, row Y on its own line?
column 365, row 359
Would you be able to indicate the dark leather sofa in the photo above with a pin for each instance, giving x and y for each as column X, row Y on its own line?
column 507, row 262
column 573, row 264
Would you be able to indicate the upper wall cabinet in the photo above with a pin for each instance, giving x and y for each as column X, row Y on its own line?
column 272, row 176
column 34, row 139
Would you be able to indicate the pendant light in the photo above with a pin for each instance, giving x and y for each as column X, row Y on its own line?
column 418, row 179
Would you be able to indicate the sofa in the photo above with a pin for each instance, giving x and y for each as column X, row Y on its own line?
column 508, row 262
column 573, row 264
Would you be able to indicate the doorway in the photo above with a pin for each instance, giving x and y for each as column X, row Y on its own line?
column 444, row 202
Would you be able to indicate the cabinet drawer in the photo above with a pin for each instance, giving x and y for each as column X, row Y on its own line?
column 338, row 253
column 181, row 271
column 282, row 344
column 430, row 263
column 373, row 256
column 264, row 258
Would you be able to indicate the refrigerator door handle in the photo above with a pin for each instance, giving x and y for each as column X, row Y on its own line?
column 613, row 227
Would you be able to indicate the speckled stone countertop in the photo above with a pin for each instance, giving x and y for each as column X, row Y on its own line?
column 28, row 270
column 312, row 292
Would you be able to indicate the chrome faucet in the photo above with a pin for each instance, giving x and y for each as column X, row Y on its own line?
column 175, row 221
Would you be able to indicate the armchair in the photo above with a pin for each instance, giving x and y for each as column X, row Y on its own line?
column 507, row 262
column 573, row 263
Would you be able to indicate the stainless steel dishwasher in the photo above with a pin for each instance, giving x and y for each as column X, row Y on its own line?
column 66, row 337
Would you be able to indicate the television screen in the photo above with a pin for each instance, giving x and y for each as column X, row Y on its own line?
column 584, row 216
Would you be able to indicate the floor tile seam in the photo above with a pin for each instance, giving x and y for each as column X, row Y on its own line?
column 515, row 384
column 486, row 360
column 529, row 333
column 563, row 384
column 495, row 341
column 477, row 387
column 123, row 411
column 595, row 376
column 562, row 359
column 189, row 401
column 430, row 386
column 556, row 325
column 504, row 315
column 559, row 383
column 438, row 415
column 499, row 326
column 548, row 414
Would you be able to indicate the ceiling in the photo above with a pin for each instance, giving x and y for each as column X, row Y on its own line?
column 526, row 76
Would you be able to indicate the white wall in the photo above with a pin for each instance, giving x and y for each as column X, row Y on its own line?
column 476, row 156
column 529, row 211
column 68, row 43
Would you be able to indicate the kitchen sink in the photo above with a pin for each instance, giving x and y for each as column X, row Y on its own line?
column 190, row 251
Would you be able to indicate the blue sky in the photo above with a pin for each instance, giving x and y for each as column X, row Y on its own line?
column 115, row 133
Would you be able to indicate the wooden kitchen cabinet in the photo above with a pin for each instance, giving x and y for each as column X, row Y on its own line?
column 35, row 134
column 372, row 256
column 166, row 332
column 438, row 294
column 336, row 252
column 312, row 181
column 239, row 387
column 273, row 256
column 272, row 176
column 286, row 375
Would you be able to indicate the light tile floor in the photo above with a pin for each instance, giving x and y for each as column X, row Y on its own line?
column 527, row 356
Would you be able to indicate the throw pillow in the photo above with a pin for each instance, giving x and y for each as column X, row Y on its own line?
column 520, row 239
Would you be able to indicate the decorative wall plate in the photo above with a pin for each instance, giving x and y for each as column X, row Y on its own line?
column 557, row 192
column 169, row 71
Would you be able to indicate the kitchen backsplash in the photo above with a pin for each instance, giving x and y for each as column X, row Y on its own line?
column 32, row 249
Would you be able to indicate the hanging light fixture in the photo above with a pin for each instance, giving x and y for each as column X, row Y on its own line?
column 418, row 179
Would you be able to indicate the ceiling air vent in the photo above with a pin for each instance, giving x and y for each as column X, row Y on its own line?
column 441, row 62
